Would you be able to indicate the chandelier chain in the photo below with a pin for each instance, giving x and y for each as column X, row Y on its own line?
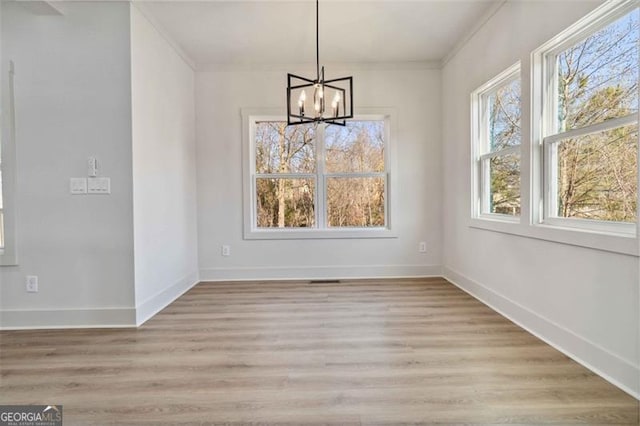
column 318, row 39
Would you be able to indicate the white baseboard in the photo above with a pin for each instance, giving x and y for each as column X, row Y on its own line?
column 33, row 319
column 154, row 304
column 319, row 272
column 609, row 366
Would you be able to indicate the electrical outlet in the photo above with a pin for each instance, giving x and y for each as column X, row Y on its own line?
column 226, row 250
column 32, row 284
column 78, row 186
column 99, row 185
column 422, row 247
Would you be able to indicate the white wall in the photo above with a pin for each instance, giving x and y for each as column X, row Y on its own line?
column 79, row 94
column 164, row 170
column 414, row 92
column 584, row 301
column 73, row 101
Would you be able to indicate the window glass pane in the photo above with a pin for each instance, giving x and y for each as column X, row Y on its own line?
column 598, row 77
column 355, row 202
column 285, row 203
column 504, row 116
column 356, row 147
column 504, row 187
column 282, row 149
column 597, row 175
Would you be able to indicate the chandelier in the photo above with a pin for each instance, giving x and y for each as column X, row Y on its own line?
column 339, row 91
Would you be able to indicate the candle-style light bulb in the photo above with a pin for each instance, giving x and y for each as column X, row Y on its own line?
column 301, row 101
column 335, row 104
column 318, row 99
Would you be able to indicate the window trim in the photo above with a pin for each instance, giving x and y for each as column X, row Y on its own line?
column 543, row 88
column 529, row 225
column 251, row 232
column 479, row 141
column 9, row 254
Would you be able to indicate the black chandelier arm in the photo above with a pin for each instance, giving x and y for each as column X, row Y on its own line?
column 305, row 120
column 343, row 95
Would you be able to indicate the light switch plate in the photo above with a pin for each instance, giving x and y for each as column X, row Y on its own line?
column 92, row 167
column 99, row 185
column 78, row 186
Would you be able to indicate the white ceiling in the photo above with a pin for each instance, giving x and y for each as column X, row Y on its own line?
column 283, row 32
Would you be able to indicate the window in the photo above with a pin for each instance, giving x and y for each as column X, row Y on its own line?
column 576, row 181
column 1, row 207
column 589, row 128
column 496, row 146
column 317, row 181
column 8, row 254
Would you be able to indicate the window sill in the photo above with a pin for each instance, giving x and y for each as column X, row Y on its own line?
column 313, row 234
column 498, row 218
column 614, row 243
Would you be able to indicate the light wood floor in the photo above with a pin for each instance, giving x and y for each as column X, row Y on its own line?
column 360, row 352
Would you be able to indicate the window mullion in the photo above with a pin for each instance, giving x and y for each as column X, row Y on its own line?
column 321, row 191
column 551, row 181
column 551, row 116
column 550, row 126
column 485, row 187
column 482, row 147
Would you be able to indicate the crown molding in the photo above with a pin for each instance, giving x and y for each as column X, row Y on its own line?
column 332, row 67
column 42, row 8
column 474, row 29
column 144, row 10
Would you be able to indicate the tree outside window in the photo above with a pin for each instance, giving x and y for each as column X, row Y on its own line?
column 593, row 143
column 497, row 139
column 320, row 177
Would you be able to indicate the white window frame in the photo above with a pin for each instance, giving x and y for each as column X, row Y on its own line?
column 8, row 253
column 251, row 232
column 545, row 141
column 531, row 160
column 481, row 154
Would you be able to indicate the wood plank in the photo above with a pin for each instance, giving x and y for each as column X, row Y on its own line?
column 374, row 352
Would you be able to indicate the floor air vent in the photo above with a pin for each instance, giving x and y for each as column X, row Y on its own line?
column 324, row 282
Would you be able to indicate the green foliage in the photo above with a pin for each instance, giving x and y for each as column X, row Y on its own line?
column 505, row 184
